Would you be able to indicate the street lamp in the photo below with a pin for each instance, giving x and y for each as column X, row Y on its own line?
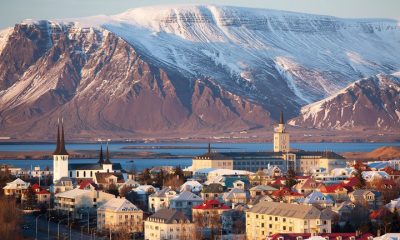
column 58, row 228
column 70, row 231
column 82, row 227
column 37, row 225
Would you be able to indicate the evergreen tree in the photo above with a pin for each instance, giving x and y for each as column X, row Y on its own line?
column 290, row 178
column 30, row 201
column 361, row 181
column 179, row 172
column 146, row 176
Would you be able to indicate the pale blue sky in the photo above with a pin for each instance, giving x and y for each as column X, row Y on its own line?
column 14, row 11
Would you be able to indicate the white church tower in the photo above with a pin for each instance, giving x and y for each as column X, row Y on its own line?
column 60, row 156
column 281, row 137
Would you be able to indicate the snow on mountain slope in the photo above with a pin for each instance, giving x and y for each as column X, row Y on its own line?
column 4, row 34
column 215, row 59
column 372, row 102
column 313, row 56
column 303, row 57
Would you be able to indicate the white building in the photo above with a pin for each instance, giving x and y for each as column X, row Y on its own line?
column 16, row 187
column 185, row 201
column 119, row 214
column 62, row 168
column 76, row 199
column 161, row 199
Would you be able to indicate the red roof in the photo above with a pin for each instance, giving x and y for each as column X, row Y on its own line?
column 211, row 204
column 86, row 183
column 379, row 213
column 331, row 236
column 334, row 187
column 351, row 182
column 35, row 186
column 43, row 191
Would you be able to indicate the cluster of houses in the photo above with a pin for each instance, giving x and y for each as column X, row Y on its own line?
column 222, row 202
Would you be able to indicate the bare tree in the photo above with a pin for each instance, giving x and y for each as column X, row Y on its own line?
column 10, row 219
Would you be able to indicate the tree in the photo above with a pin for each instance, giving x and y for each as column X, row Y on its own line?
column 179, row 172
column 30, row 200
column 10, row 218
column 358, row 174
column 113, row 189
column 173, row 181
column 291, row 178
column 125, row 190
column 145, row 177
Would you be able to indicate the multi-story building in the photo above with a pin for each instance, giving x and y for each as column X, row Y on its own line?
column 119, row 214
column 160, row 199
column 168, row 224
column 267, row 218
column 281, row 156
column 16, row 188
column 185, row 201
column 70, row 202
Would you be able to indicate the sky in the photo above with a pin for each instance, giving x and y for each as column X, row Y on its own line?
column 15, row 11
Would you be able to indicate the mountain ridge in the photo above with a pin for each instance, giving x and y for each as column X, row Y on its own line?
column 252, row 63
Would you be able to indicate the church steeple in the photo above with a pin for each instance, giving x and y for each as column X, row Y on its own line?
column 58, row 139
column 101, row 157
column 107, row 161
column 60, row 149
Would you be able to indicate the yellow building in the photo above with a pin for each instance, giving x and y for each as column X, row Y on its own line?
column 281, row 157
column 281, row 137
column 119, row 214
column 267, row 218
column 169, row 224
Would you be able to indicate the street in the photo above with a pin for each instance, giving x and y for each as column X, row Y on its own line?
column 30, row 231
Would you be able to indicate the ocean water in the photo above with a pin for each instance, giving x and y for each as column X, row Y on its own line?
column 175, row 149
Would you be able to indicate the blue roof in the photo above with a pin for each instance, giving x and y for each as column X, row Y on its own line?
column 230, row 180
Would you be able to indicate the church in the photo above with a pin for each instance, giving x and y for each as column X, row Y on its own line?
column 281, row 156
column 79, row 171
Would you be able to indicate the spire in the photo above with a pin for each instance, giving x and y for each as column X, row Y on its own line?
column 60, row 149
column 209, row 147
column 101, row 158
column 107, row 161
column 63, row 151
column 58, row 139
column 281, row 118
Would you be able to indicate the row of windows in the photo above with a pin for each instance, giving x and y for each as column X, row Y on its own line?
column 264, row 163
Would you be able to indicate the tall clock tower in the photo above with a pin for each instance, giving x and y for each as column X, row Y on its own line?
column 281, row 137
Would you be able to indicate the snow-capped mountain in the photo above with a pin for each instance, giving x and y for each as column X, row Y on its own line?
column 370, row 103
column 159, row 69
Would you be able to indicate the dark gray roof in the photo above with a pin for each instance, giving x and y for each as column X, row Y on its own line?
column 276, row 155
column 213, row 188
column 85, row 166
column 91, row 166
column 168, row 216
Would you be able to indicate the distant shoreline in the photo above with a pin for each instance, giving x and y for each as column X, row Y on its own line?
column 85, row 154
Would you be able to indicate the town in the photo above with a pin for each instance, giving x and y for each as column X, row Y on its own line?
column 276, row 195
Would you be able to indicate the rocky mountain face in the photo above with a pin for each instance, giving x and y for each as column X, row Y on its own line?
column 370, row 103
column 98, row 82
column 191, row 69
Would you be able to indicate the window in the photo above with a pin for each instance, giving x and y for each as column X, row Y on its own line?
column 77, row 173
column 84, row 173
